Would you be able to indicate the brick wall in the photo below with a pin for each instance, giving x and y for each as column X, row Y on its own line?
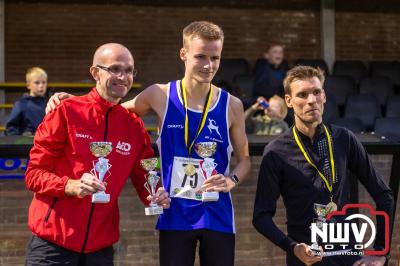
column 139, row 240
column 367, row 36
column 62, row 37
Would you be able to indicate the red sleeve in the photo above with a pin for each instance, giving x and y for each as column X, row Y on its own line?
column 138, row 173
column 49, row 143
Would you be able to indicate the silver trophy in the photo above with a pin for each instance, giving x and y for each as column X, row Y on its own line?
column 100, row 168
column 205, row 150
column 151, row 184
column 322, row 211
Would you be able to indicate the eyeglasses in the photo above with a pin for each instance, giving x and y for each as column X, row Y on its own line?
column 117, row 70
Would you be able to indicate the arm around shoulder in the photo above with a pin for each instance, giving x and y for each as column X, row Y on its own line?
column 151, row 98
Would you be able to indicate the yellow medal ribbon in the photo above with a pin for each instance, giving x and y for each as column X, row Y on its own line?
column 331, row 159
column 203, row 116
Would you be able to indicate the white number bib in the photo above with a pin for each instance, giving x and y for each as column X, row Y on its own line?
column 183, row 186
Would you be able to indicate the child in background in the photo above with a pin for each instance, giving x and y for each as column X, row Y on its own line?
column 269, row 72
column 28, row 112
column 269, row 121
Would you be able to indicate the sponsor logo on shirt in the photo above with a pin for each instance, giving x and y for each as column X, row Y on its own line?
column 175, row 126
column 212, row 127
column 83, row 136
column 123, row 148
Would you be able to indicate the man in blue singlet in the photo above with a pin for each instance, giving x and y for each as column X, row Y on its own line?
column 190, row 111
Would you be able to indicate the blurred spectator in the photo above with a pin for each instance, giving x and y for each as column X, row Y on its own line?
column 270, row 120
column 269, row 72
column 28, row 112
column 228, row 87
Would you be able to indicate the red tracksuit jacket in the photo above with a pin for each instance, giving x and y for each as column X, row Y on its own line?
column 61, row 151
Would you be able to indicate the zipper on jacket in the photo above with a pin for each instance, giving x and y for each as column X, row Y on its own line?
column 46, row 218
column 92, row 207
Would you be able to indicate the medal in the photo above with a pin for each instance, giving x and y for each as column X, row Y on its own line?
column 331, row 206
column 190, row 170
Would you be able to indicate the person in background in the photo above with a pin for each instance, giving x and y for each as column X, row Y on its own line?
column 29, row 110
column 267, row 117
column 269, row 72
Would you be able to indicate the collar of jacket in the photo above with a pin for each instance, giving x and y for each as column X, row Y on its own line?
column 101, row 102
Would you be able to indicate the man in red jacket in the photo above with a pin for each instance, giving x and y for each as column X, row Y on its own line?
column 67, row 227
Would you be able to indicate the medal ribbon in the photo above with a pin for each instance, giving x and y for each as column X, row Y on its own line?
column 331, row 159
column 203, row 116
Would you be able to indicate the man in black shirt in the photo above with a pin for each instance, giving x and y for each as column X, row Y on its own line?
column 308, row 165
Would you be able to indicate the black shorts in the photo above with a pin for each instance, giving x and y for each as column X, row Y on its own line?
column 41, row 252
column 178, row 248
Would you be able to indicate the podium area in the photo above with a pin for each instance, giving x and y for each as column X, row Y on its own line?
column 138, row 236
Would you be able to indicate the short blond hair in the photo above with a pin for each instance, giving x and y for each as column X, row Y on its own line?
column 284, row 110
column 35, row 72
column 302, row 73
column 204, row 30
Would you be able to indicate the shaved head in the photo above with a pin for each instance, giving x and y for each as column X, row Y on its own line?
column 113, row 69
column 108, row 50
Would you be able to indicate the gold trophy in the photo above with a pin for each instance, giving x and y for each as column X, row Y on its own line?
column 151, row 184
column 205, row 150
column 100, row 168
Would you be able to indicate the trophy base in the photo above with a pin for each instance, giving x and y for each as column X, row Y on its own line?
column 153, row 210
column 315, row 249
column 210, row 196
column 100, row 197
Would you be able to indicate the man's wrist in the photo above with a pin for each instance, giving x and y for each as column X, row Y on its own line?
column 234, row 178
column 69, row 188
column 293, row 246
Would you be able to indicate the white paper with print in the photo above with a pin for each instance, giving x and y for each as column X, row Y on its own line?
column 182, row 185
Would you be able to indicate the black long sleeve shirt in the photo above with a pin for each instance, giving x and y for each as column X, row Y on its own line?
column 284, row 171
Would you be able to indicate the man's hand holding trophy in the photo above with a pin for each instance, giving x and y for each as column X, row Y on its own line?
column 158, row 197
column 93, row 183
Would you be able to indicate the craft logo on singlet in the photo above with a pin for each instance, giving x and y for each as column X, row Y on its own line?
column 175, row 126
column 335, row 236
column 123, row 148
